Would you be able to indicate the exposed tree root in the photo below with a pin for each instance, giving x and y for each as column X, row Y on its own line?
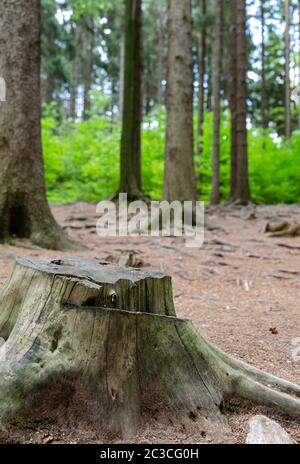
column 112, row 337
column 283, row 229
column 244, row 387
column 258, row 375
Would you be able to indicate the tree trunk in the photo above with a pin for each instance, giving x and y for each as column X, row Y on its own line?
column 161, row 55
column 130, row 182
column 88, row 45
column 299, row 68
column 122, row 70
column 48, row 88
column 217, row 69
column 242, row 195
column 288, row 127
column 209, row 72
column 264, row 96
column 202, row 58
column 138, row 103
column 24, row 211
column 147, row 89
column 102, row 344
column 233, row 99
column 74, row 74
column 180, row 178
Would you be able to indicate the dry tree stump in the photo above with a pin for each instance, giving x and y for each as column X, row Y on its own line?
column 109, row 338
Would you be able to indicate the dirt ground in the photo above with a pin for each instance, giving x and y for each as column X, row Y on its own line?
column 241, row 290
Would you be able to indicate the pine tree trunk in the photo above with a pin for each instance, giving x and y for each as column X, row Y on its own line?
column 74, row 74
column 299, row 68
column 217, row 69
column 264, row 96
column 233, row 100
column 130, row 182
column 288, row 127
column 209, row 72
column 138, row 104
column 102, row 345
column 201, row 94
column 161, row 57
column 24, row 211
column 180, row 179
column 147, row 88
column 48, row 88
column 88, row 44
column 242, row 190
column 122, row 71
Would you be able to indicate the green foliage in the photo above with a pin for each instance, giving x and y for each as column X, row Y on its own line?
column 82, row 160
column 274, row 166
column 90, row 7
column 55, row 60
column 274, row 169
column 205, row 171
column 153, row 149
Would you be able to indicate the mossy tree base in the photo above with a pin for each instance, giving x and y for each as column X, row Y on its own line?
column 28, row 219
column 111, row 337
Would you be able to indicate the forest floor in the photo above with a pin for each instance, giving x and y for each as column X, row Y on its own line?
column 241, row 290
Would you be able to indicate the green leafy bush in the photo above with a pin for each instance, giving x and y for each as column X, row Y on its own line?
column 274, row 165
column 82, row 160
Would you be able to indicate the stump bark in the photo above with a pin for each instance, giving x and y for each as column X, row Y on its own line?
column 110, row 340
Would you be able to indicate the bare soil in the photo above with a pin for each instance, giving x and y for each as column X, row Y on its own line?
column 241, row 290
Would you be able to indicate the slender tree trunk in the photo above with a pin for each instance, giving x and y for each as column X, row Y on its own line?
column 131, row 131
column 74, row 76
column 122, row 69
column 243, row 189
column 24, row 211
column 138, row 103
column 161, row 48
column 264, row 96
column 288, row 127
column 233, row 99
column 74, row 86
column 180, row 179
column 217, row 69
column 209, row 73
column 299, row 67
column 88, row 41
column 48, row 89
column 202, row 58
column 87, row 84
column 147, row 90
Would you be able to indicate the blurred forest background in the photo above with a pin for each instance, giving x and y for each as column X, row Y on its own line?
column 83, row 83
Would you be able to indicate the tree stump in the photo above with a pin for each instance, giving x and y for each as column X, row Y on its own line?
column 109, row 339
